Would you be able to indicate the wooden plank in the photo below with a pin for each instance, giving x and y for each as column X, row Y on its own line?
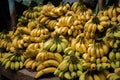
column 23, row 74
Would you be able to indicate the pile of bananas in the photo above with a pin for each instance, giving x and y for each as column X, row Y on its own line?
column 70, row 68
column 13, row 61
column 115, row 75
column 56, row 44
column 114, row 57
column 88, row 75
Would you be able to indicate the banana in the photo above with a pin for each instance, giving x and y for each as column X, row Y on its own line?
column 12, row 58
column 99, row 66
column 113, row 65
column 104, row 59
column 90, row 77
column 67, row 50
column 12, row 65
column 57, row 72
column 17, row 65
column 48, row 44
column 64, row 65
column 115, row 77
column 105, row 48
column 79, row 67
column 102, row 76
column 83, row 76
column 7, row 65
column 22, row 58
column 117, row 63
column 114, row 12
column 110, row 14
column 75, row 67
column 96, row 77
column 61, row 75
column 45, row 71
column 77, row 54
column 64, row 45
column 34, row 65
column 100, row 28
column 83, row 47
column 112, row 56
column 79, row 73
column 4, row 61
column 106, row 72
column 73, row 75
column 59, row 48
column 58, row 57
column 93, row 66
column 67, row 75
column 50, row 55
column 53, row 47
column 117, row 56
column 27, row 60
column 71, row 52
column 117, row 71
column 93, row 52
column 71, row 67
column 29, row 64
column 47, row 63
column 21, row 64
column 103, row 18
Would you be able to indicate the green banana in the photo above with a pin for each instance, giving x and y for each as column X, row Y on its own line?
column 61, row 75
column 59, row 48
column 112, row 56
column 48, row 44
column 67, row 50
column 4, row 61
column 83, row 76
column 53, row 47
column 12, row 66
column 73, row 74
column 117, row 56
column 67, row 75
column 7, row 65
column 17, row 65
column 71, row 67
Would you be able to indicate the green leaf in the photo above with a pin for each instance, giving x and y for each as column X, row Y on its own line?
column 26, row 2
column 96, row 9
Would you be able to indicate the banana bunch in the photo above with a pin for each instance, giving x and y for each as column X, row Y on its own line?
column 115, row 75
column 22, row 21
column 45, row 20
column 3, row 35
column 98, row 49
column 70, row 51
column 2, row 55
column 91, row 75
column 32, row 50
column 112, row 12
column 13, row 61
column 56, row 44
column 70, row 68
column 112, row 36
column 51, row 11
column 32, row 24
column 93, row 63
column 4, row 43
column 30, row 14
column 45, row 55
column 114, row 57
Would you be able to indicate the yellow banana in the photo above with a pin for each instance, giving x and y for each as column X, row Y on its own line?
column 96, row 77
column 48, row 44
column 105, row 48
column 103, row 18
column 114, row 12
column 83, row 47
column 47, row 63
column 50, row 55
column 90, row 77
column 29, row 64
column 110, row 14
column 83, row 76
column 64, row 65
column 58, row 57
column 34, row 65
column 27, row 60
column 45, row 71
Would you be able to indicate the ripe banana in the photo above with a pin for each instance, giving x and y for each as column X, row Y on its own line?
column 96, row 77
column 45, row 71
column 58, row 57
column 47, row 63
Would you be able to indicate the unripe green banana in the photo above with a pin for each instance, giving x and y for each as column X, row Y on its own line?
column 117, row 56
column 57, row 72
column 79, row 67
column 53, row 47
column 113, row 65
column 7, row 65
column 71, row 67
column 67, row 75
column 117, row 63
column 17, row 65
column 112, row 56
column 73, row 75
column 4, row 61
column 79, row 73
column 61, row 75
column 12, row 66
